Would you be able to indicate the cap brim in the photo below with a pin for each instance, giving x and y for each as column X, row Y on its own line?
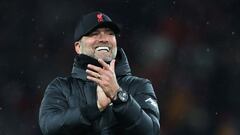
column 110, row 25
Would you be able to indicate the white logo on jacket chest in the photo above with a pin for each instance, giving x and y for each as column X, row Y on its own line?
column 152, row 102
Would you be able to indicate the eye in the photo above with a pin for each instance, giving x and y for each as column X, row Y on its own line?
column 93, row 33
column 110, row 32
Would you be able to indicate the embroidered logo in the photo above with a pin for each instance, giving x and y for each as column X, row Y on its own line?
column 100, row 17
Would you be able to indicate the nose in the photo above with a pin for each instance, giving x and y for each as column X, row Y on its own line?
column 102, row 37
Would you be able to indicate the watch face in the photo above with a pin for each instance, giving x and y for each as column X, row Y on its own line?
column 123, row 96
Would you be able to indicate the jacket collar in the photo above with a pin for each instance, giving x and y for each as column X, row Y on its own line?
column 81, row 61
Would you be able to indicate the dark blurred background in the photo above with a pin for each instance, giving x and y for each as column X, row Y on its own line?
column 189, row 49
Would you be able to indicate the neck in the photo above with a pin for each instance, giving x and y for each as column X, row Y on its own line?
column 81, row 61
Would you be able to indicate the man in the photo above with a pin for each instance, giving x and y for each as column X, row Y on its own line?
column 101, row 97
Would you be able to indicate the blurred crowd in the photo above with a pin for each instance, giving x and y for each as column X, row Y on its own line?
column 189, row 49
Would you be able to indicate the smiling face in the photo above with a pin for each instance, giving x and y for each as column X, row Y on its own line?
column 99, row 44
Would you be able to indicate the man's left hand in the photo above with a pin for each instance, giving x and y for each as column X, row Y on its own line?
column 105, row 77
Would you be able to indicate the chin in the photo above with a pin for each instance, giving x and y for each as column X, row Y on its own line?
column 108, row 59
column 104, row 58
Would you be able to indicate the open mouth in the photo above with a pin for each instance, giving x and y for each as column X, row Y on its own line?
column 102, row 48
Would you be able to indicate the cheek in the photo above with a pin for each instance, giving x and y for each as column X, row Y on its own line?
column 114, row 41
column 89, row 44
column 88, row 40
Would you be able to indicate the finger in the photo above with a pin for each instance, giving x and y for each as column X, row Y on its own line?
column 95, row 68
column 104, row 64
column 97, row 75
column 96, row 80
column 112, row 65
column 93, row 74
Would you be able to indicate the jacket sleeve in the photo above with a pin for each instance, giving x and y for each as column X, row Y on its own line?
column 140, row 114
column 58, row 117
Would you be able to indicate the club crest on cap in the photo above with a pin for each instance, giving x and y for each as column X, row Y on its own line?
column 100, row 17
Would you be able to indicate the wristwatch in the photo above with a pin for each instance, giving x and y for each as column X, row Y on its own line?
column 121, row 97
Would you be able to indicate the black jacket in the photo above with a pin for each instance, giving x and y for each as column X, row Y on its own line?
column 69, row 104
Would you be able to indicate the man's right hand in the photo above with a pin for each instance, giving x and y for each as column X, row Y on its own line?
column 102, row 100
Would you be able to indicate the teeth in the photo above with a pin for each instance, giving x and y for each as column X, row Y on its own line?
column 102, row 48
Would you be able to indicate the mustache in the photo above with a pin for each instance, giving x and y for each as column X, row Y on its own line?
column 103, row 44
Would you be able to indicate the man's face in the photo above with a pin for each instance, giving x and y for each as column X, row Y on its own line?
column 101, row 43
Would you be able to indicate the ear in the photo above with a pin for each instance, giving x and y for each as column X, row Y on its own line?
column 77, row 47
